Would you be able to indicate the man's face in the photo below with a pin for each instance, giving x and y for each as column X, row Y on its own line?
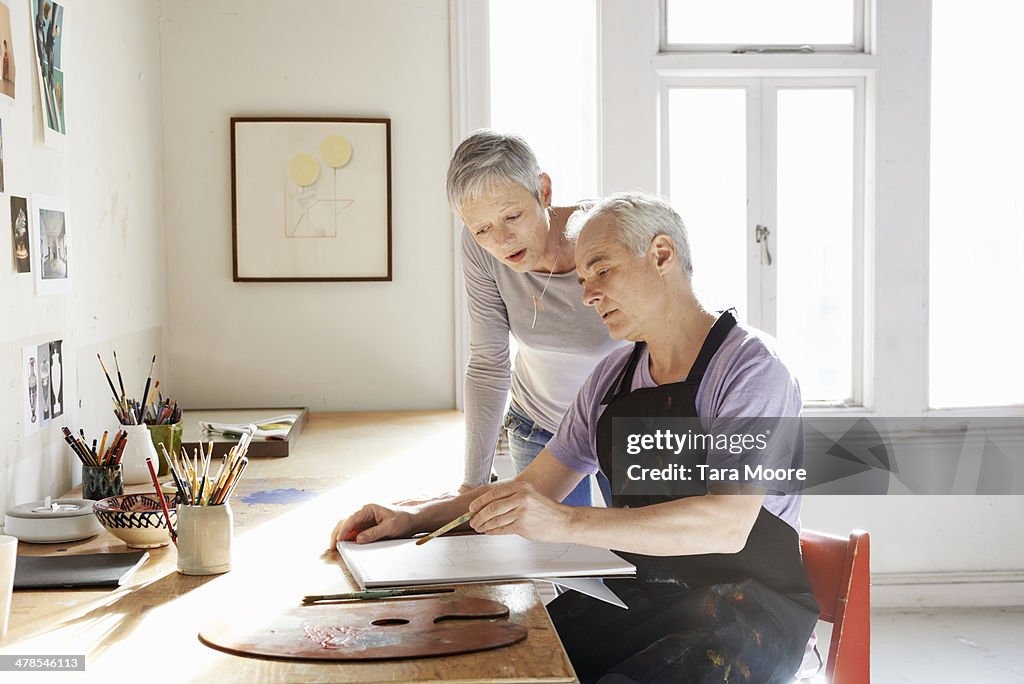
column 510, row 224
column 616, row 282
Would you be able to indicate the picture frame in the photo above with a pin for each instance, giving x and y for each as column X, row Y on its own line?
column 310, row 199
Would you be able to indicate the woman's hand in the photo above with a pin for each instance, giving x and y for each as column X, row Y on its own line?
column 517, row 508
column 374, row 522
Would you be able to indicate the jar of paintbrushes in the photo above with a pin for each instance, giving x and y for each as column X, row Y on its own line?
column 129, row 413
column 205, row 521
column 163, row 420
column 101, row 463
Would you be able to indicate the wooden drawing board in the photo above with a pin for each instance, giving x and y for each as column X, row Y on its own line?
column 192, row 434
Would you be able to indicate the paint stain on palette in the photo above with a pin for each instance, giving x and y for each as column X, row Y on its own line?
column 348, row 636
column 279, row 496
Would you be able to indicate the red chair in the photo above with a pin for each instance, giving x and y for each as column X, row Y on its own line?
column 840, row 574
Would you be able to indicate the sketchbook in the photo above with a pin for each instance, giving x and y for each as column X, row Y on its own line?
column 85, row 570
column 475, row 558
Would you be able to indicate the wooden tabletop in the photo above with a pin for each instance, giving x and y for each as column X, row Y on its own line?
column 284, row 512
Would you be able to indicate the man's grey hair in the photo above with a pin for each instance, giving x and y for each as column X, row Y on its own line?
column 640, row 219
column 488, row 157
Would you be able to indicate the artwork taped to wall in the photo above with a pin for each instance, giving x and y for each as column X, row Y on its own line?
column 48, row 32
column 22, row 243
column 7, row 70
column 53, row 263
column 311, row 199
column 43, row 373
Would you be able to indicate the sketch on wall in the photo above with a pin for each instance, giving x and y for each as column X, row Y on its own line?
column 48, row 23
column 7, row 70
column 311, row 199
column 43, row 384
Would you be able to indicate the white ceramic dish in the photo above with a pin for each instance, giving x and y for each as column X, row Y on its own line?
column 52, row 522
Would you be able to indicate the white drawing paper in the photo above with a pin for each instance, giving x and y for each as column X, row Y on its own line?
column 475, row 558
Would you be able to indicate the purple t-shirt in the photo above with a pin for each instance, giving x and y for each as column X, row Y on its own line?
column 745, row 378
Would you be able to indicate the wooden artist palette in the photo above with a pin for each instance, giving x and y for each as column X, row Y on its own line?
column 409, row 628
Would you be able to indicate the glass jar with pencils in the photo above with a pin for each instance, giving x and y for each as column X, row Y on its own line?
column 170, row 436
column 101, row 481
column 133, row 461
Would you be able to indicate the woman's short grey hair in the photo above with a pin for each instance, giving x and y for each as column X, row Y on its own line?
column 640, row 219
column 488, row 157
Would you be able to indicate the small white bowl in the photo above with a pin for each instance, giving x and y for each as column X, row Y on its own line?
column 50, row 522
column 137, row 519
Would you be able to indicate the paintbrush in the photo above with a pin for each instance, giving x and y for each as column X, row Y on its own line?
column 120, row 382
column 109, row 381
column 374, row 594
column 447, row 528
column 145, row 391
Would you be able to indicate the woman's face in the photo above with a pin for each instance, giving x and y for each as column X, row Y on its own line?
column 511, row 223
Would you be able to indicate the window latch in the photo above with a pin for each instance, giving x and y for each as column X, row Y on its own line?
column 761, row 234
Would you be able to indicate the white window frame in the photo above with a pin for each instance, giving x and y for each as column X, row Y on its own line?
column 860, row 44
column 762, row 164
column 470, row 75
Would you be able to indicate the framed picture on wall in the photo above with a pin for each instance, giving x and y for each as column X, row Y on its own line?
column 311, row 199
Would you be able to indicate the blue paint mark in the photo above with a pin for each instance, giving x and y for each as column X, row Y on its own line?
column 278, row 496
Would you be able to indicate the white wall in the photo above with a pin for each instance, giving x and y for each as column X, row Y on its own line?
column 329, row 346
column 110, row 173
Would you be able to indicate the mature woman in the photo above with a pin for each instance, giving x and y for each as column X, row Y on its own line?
column 520, row 273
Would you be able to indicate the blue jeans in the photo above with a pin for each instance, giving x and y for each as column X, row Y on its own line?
column 526, row 439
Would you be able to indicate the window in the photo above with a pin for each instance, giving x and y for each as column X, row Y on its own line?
column 543, row 83
column 768, row 175
column 976, row 273
column 727, row 25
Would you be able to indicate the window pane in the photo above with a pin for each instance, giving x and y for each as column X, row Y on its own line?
column 708, row 187
column 757, row 22
column 815, row 238
column 977, row 206
column 544, row 87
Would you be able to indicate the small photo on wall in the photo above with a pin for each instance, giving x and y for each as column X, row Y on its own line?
column 7, row 69
column 52, row 261
column 20, row 235
column 48, row 20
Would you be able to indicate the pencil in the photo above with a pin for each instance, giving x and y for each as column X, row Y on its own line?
column 163, row 501
column 447, row 528
column 103, row 444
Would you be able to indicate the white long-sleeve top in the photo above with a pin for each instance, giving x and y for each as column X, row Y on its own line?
column 553, row 358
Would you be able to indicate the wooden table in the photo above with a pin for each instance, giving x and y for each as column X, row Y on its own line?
column 284, row 512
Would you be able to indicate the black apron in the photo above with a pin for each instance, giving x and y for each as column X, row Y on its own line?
column 702, row 618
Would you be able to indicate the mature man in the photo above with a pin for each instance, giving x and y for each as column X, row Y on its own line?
column 721, row 593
